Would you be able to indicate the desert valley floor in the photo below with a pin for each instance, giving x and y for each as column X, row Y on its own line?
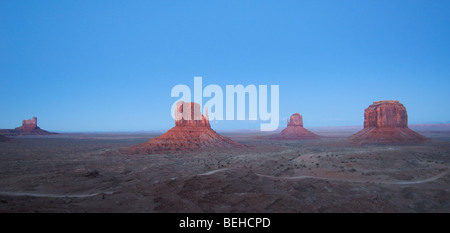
column 87, row 173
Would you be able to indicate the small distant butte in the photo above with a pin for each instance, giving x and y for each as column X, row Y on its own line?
column 29, row 127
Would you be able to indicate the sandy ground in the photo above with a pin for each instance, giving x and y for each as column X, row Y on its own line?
column 86, row 173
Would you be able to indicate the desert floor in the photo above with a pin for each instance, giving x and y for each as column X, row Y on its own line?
column 87, row 173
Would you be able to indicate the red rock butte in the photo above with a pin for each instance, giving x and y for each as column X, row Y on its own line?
column 295, row 130
column 191, row 133
column 29, row 127
column 386, row 122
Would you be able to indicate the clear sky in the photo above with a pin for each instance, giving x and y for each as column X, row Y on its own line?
column 110, row 65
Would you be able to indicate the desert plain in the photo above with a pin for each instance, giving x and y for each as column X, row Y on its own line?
column 87, row 172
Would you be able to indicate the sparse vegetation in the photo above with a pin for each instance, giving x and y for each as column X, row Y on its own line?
column 162, row 174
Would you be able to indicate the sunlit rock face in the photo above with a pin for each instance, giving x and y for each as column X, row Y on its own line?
column 189, row 134
column 386, row 122
column 387, row 113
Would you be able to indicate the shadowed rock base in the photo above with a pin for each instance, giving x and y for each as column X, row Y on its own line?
column 375, row 135
column 183, row 139
column 296, row 133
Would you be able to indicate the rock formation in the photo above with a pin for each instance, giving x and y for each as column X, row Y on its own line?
column 295, row 130
column 29, row 127
column 386, row 122
column 191, row 132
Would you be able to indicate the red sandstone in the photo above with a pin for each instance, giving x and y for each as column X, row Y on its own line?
column 191, row 133
column 295, row 130
column 29, row 127
column 386, row 122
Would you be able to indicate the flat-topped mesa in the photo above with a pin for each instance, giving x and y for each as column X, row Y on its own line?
column 189, row 114
column 386, row 102
column 386, row 113
column 386, row 122
column 191, row 133
column 295, row 130
column 295, row 120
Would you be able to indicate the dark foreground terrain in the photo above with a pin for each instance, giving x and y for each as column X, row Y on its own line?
column 86, row 173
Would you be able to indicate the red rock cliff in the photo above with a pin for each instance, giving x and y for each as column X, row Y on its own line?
column 295, row 120
column 387, row 113
column 28, row 125
column 189, row 114
column 386, row 122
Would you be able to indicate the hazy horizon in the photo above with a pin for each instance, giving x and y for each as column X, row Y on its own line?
column 238, row 130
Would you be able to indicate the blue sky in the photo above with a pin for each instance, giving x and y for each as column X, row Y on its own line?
column 111, row 65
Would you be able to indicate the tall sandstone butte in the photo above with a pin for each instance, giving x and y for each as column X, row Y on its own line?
column 295, row 130
column 386, row 122
column 191, row 133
